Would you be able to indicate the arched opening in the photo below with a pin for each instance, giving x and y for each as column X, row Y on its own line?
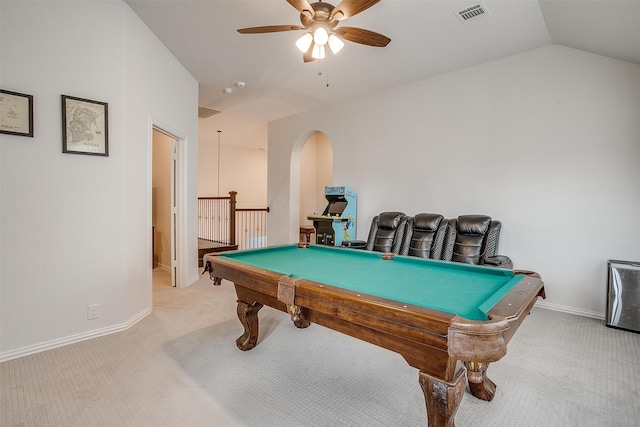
column 311, row 170
column 316, row 172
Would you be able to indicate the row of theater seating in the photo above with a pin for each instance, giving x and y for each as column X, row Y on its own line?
column 471, row 239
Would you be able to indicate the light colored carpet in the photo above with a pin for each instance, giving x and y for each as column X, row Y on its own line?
column 180, row 367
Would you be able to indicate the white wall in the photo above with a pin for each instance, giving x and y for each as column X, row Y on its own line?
column 243, row 163
column 76, row 229
column 547, row 141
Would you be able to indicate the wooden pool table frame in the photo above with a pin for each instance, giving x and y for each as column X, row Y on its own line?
column 441, row 345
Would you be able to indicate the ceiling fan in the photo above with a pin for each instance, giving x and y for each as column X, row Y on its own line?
column 320, row 19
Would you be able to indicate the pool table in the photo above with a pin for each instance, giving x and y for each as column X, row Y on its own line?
column 445, row 318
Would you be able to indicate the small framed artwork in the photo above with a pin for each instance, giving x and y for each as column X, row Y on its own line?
column 85, row 126
column 16, row 113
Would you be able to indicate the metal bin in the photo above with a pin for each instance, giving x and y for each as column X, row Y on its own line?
column 623, row 295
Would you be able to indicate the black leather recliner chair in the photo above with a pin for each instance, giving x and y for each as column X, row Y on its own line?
column 473, row 239
column 425, row 235
column 385, row 235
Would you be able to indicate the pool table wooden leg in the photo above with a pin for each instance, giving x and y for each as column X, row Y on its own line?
column 479, row 384
column 296, row 316
column 442, row 398
column 248, row 315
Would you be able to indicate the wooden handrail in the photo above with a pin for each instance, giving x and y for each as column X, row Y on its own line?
column 253, row 210
column 240, row 222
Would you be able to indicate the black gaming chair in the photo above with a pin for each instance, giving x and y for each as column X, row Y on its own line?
column 473, row 239
column 385, row 235
column 424, row 236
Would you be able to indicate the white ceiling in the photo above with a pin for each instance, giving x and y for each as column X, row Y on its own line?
column 427, row 39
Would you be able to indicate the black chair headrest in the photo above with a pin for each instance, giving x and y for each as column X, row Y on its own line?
column 427, row 221
column 390, row 220
column 473, row 224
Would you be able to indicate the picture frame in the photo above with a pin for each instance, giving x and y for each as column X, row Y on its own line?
column 85, row 126
column 16, row 113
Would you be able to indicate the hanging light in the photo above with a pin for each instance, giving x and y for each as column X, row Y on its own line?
column 318, row 52
column 320, row 36
column 219, row 132
column 304, row 42
column 335, row 44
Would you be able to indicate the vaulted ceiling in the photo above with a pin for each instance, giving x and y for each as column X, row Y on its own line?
column 427, row 39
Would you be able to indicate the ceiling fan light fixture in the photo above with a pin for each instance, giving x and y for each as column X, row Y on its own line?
column 318, row 52
column 320, row 36
column 335, row 44
column 304, row 42
column 319, row 21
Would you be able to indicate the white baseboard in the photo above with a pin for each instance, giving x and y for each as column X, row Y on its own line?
column 570, row 310
column 163, row 267
column 49, row 345
column 193, row 280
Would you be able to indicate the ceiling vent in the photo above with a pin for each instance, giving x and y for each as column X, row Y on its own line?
column 205, row 113
column 473, row 13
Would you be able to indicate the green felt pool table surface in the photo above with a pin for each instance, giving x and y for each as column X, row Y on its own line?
column 466, row 290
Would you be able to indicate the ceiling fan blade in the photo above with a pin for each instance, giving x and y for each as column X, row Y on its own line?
column 269, row 29
column 303, row 7
column 358, row 35
column 348, row 8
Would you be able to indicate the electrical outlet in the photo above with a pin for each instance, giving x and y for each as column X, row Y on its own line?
column 92, row 312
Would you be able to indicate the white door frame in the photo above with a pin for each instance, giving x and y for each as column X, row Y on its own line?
column 173, row 206
column 179, row 192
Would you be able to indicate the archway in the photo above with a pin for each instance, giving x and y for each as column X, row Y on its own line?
column 311, row 170
column 316, row 172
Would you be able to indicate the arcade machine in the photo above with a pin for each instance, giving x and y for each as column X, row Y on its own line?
column 338, row 221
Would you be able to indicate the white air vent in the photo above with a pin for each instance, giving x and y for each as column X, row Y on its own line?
column 473, row 13
column 205, row 113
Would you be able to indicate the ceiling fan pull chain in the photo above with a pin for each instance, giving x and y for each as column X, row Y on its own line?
column 327, row 73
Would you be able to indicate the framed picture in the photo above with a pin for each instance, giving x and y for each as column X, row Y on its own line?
column 85, row 126
column 16, row 113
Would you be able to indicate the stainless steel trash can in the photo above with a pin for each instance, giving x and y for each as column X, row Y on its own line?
column 623, row 301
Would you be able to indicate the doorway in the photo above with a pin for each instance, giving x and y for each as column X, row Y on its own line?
column 164, row 204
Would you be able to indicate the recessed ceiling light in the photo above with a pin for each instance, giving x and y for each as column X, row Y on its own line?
column 228, row 90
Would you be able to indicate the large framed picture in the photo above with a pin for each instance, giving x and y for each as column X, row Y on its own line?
column 16, row 113
column 85, row 126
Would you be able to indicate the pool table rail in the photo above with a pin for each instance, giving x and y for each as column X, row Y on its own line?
column 418, row 334
column 517, row 300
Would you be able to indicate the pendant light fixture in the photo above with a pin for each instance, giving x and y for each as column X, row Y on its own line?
column 219, row 132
